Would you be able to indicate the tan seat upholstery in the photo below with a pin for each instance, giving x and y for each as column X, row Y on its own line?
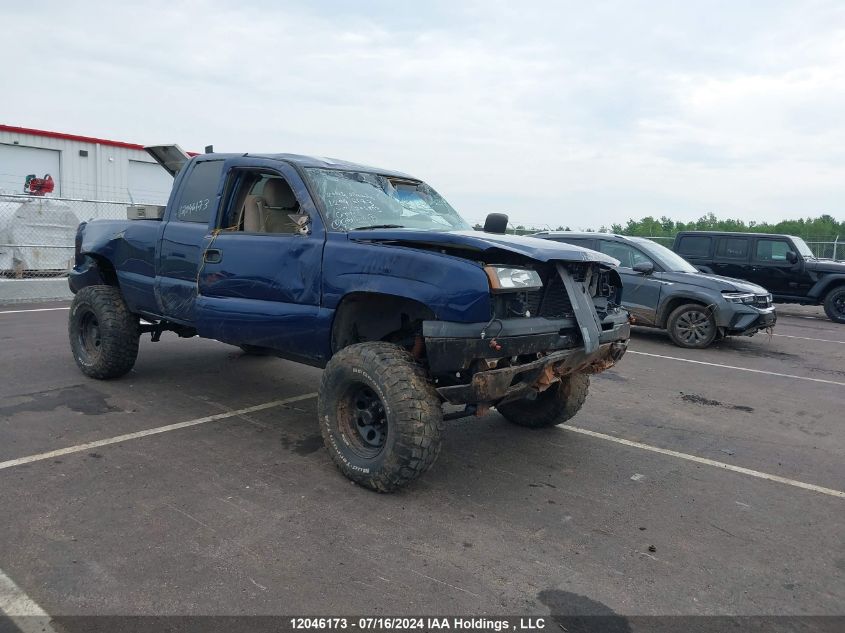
column 252, row 214
column 277, row 202
column 268, row 213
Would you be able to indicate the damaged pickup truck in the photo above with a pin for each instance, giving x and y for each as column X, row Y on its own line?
column 366, row 272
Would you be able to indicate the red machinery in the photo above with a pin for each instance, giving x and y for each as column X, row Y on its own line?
column 38, row 186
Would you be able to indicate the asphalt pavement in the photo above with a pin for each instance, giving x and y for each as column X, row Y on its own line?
column 692, row 483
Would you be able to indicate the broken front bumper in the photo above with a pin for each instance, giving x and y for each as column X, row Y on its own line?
column 495, row 385
column 751, row 321
column 512, row 357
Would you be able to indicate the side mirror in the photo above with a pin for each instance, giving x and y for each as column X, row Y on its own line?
column 646, row 268
column 496, row 223
column 791, row 257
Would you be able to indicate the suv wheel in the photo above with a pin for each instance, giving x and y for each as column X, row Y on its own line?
column 380, row 417
column 561, row 401
column 834, row 304
column 103, row 333
column 692, row 326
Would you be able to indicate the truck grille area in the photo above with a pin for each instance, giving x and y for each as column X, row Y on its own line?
column 551, row 301
column 762, row 301
column 554, row 303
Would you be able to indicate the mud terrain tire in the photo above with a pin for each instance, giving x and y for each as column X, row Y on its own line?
column 380, row 417
column 103, row 333
column 557, row 404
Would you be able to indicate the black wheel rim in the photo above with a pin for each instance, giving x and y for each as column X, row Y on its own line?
column 693, row 327
column 90, row 342
column 363, row 421
column 839, row 305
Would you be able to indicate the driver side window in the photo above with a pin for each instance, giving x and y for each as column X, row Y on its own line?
column 627, row 255
column 264, row 203
column 772, row 250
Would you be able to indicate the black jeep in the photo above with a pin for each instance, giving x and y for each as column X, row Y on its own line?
column 783, row 264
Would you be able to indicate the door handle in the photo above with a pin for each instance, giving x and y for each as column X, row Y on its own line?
column 212, row 256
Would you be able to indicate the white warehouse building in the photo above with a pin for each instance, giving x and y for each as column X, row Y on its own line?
column 81, row 166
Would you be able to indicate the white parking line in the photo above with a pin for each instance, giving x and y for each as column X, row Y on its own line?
column 26, row 614
column 753, row 371
column 33, row 310
column 807, row 338
column 709, row 462
column 156, row 431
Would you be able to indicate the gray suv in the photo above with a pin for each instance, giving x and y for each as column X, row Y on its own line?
column 661, row 289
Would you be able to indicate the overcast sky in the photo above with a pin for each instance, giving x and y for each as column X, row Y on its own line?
column 581, row 113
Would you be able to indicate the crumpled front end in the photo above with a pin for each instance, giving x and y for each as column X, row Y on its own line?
column 574, row 323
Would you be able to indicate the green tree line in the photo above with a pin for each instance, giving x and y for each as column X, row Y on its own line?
column 821, row 229
column 824, row 228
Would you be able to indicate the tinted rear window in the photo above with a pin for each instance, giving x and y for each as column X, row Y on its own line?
column 732, row 248
column 694, row 246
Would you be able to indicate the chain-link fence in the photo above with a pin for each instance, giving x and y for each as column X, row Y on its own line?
column 36, row 242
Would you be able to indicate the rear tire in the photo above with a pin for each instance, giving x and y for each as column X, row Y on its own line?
column 103, row 333
column 834, row 305
column 692, row 326
column 557, row 404
column 380, row 416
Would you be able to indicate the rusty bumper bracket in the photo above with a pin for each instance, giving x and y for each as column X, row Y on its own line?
column 584, row 309
column 495, row 385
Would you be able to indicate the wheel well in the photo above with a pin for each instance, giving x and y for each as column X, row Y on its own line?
column 368, row 316
column 105, row 268
column 672, row 304
column 833, row 285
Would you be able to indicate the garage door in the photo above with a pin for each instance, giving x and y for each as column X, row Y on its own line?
column 149, row 183
column 18, row 161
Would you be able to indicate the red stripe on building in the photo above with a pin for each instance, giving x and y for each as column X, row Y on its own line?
column 73, row 137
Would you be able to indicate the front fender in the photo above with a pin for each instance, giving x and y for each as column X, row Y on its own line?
column 820, row 288
column 670, row 301
column 86, row 272
column 454, row 289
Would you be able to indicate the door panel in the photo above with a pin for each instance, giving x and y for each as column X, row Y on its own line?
column 640, row 293
column 260, row 288
column 185, row 235
column 770, row 269
column 732, row 257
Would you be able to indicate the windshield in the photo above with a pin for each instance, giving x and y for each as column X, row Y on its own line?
column 669, row 260
column 354, row 200
column 803, row 249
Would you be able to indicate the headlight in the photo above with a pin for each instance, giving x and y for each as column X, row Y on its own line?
column 504, row 278
column 738, row 297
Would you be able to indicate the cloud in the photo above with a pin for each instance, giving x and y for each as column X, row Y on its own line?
column 556, row 113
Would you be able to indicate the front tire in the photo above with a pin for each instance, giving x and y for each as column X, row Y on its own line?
column 557, row 404
column 692, row 326
column 380, row 417
column 834, row 305
column 103, row 333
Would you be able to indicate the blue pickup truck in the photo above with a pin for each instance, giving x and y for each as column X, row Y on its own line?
column 368, row 273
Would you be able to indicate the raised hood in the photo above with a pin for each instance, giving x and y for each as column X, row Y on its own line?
column 486, row 244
